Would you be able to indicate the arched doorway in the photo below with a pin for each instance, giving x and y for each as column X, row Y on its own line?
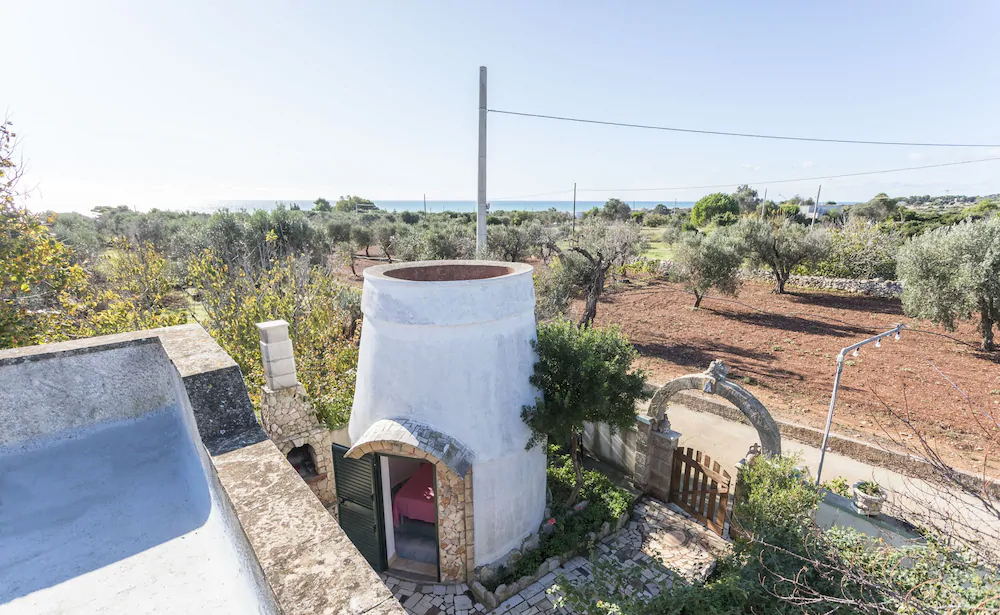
column 713, row 380
column 408, row 447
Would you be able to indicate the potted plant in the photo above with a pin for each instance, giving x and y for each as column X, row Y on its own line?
column 868, row 497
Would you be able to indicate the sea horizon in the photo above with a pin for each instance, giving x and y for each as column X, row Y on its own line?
column 442, row 205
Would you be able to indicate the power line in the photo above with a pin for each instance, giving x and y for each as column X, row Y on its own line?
column 788, row 181
column 737, row 134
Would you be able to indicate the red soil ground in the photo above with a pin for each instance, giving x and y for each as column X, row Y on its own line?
column 783, row 349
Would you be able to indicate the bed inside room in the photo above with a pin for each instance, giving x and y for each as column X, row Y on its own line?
column 411, row 525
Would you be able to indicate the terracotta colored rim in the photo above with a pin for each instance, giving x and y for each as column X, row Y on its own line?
column 447, row 271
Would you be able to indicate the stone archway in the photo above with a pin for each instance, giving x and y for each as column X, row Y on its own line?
column 453, row 463
column 713, row 380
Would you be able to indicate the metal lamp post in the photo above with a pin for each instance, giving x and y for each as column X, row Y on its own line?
column 895, row 331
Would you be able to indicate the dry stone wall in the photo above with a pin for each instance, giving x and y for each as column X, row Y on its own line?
column 876, row 287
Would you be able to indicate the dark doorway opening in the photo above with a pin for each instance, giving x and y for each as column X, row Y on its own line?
column 303, row 459
column 410, row 505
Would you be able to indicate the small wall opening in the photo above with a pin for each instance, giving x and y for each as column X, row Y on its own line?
column 448, row 273
column 303, row 459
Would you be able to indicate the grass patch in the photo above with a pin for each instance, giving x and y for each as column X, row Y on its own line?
column 657, row 248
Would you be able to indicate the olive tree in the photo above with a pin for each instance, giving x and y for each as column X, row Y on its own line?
column 781, row 246
column 509, row 242
column 880, row 208
column 385, row 235
column 616, row 209
column 362, row 238
column 704, row 261
column 747, row 198
column 952, row 273
column 584, row 375
column 602, row 246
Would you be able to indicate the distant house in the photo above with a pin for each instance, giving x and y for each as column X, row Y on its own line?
column 807, row 210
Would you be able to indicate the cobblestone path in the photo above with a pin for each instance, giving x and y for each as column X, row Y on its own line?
column 660, row 542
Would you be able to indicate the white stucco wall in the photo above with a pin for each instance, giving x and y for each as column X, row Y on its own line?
column 457, row 355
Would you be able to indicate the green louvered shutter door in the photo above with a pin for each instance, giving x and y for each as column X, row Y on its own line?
column 358, row 507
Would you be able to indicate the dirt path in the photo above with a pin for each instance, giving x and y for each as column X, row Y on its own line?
column 783, row 349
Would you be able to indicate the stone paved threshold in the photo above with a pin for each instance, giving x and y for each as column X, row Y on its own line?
column 660, row 542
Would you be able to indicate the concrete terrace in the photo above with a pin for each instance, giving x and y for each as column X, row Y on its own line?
column 134, row 478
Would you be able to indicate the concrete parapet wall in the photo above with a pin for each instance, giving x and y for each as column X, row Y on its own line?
column 615, row 449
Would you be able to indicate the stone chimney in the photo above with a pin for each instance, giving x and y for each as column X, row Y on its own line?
column 289, row 419
column 276, row 354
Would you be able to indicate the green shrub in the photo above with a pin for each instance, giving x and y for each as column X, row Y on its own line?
column 860, row 249
column 324, row 319
column 782, row 563
column 708, row 207
column 838, row 485
column 605, row 503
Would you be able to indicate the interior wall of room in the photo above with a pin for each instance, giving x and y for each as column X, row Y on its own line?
column 401, row 469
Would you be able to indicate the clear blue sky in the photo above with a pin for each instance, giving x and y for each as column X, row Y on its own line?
column 176, row 104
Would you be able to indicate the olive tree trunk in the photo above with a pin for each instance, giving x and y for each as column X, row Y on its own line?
column 574, row 454
column 593, row 294
column 986, row 325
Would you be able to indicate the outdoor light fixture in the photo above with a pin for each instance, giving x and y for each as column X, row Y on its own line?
column 836, row 385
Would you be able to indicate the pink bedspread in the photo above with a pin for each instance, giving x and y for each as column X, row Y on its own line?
column 415, row 500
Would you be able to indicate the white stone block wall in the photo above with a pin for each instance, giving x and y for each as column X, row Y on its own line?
column 276, row 355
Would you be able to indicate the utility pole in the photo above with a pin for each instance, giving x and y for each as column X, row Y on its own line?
column 481, row 200
column 762, row 202
column 574, row 210
column 816, row 206
column 425, row 203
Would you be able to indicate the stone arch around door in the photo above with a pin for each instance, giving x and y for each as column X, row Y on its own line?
column 713, row 380
column 453, row 462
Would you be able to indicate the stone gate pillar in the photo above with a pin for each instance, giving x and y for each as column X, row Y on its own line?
column 662, row 445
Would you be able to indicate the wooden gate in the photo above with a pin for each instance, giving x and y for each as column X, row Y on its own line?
column 700, row 487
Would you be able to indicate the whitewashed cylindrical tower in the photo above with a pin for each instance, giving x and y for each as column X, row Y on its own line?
column 448, row 344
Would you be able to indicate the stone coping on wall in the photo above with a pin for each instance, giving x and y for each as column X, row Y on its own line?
column 308, row 562
column 904, row 463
